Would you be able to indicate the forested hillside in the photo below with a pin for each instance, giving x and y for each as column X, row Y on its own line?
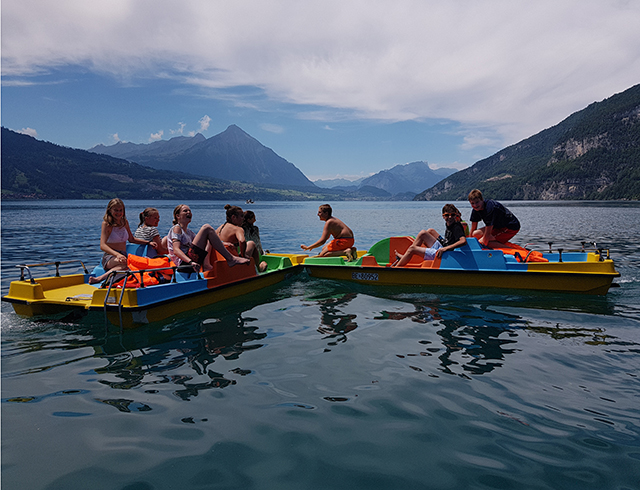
column 593, row 154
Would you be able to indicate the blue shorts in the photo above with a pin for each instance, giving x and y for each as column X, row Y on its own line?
column 430, row 253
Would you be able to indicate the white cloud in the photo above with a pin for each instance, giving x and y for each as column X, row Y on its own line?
column 514, row 67
column 179, row 130
column 204, row 123
column 29, row 131
column 156, row 136
column 272, row 128
column 478, row 140
column 115, row 138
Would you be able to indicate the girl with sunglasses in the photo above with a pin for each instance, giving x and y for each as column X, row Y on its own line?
column 429, row 244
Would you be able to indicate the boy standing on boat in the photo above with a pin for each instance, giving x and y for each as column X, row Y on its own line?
column 501, row 225
column 429, row 244
column 343, row 240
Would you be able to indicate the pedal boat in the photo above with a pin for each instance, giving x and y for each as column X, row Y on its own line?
column 472, row 266
column 130, row 306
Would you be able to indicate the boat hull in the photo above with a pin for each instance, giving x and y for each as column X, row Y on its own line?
column 596, row 283
column 472, row 266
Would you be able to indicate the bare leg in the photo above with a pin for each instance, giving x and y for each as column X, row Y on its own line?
column 424, row 240
column 336, row 253
column 252, row 251
column 207, row 235
column 491, row 243
column 102, row 277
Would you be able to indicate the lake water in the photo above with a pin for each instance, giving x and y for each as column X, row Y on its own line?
column 316, row 384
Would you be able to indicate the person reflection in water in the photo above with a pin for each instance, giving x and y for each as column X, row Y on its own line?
column 337, row 324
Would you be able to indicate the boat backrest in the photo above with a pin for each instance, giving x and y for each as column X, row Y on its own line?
column 141, row 250
column 223, row 274
column 384, row 250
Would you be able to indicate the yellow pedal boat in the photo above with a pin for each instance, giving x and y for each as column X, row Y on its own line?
column 135, row 297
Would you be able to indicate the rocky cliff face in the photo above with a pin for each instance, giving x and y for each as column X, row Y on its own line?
column 572, row 149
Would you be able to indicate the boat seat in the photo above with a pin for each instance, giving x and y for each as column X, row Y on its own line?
column 383, row 251
column 223, row 273
column 368, row 261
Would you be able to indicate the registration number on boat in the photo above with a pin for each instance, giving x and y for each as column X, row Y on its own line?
column 364, row 276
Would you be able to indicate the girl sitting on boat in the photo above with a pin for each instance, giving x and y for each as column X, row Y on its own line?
column 232, row 234
column 430, row 245
column 251, row 231
column 113, row 240
column 148, row 229
column 189, row 248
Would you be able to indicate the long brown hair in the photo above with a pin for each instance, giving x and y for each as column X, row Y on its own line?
column 108, row 217
column 232, row 211
column 176, row 212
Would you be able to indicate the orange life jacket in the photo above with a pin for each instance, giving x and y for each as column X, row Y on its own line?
column 137, row 263
column 522, row 254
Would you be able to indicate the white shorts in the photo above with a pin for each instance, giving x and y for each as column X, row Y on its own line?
column 430, row 253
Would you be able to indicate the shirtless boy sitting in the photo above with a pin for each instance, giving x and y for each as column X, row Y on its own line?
column 342, row 243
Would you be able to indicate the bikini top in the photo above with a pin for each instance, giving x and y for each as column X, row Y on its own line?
column 119, row 234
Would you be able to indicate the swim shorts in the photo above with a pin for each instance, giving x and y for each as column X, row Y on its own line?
column 196, row 254
column 430, row 253
column 503, row 235
column 338, row 244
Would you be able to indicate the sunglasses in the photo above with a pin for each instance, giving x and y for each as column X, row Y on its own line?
column 449, row 215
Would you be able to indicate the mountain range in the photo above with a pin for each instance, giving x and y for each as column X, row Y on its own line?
column 230, row 155
column 592, row 154
column 34, row 169
column 410, row 178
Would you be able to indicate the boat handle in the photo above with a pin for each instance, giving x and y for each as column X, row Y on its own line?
column 22, row 269
column 57, row 263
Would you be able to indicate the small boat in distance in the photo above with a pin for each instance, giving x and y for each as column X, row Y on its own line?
column 144, row 294
column 249, row 201
column 472, row 266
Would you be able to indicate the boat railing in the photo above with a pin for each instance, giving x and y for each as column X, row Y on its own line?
column 603, row 253
column 57, row 263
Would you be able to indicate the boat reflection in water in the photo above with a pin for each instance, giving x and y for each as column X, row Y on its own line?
column 144, row 360
column 470, row 339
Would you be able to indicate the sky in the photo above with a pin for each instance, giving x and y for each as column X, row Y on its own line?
column 341, row 89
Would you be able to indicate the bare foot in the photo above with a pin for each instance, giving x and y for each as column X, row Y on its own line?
column 263, row 266
column 237, row 260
